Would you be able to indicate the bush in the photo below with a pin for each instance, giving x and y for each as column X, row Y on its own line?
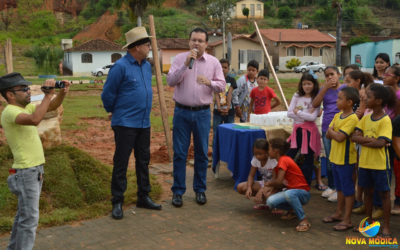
column 46, row 58
column 294, row 62
column 357, row 40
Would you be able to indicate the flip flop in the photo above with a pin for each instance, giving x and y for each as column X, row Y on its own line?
column 260, row 207
column 330, row 219
column 277, row 211
column 355, row 229
column 395, row 211
column 321, row 187
column 303, row 227
column 288, row 216
column 342, row 227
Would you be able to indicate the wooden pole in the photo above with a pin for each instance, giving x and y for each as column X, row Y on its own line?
column 160, row 88
column 270, row 64
column 8, row 56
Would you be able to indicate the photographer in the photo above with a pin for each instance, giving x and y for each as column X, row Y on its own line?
column 19, row 120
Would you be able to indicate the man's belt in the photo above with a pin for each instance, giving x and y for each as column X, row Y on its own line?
column 195, row 108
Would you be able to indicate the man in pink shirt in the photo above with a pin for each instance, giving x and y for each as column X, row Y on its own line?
column 195, row 76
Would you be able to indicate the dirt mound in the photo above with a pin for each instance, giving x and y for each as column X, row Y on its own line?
column 104, row 28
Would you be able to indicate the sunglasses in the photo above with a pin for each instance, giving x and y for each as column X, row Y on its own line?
column 25, row 89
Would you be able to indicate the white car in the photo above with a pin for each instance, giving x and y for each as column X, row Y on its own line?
column 314, row 66
column 102, row 71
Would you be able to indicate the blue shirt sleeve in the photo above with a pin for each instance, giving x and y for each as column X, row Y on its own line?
column 110, row 89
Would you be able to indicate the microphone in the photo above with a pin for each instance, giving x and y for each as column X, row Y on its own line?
column 192, row 59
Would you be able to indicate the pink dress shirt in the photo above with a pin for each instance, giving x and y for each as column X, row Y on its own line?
column 187, row 90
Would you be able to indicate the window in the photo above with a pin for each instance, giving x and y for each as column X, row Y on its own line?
column 243, row 6
column 258, row 6
column 86, row 58
column 291, row 51
column 246, row 56
column 115, row 57
column 321, row 51
column 308, row 51
column 252, row 10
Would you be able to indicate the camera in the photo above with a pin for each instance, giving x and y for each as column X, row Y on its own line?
column 59, row 85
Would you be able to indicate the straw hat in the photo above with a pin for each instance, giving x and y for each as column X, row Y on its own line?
column 134, row 35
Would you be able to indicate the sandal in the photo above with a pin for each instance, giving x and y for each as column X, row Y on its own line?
column 321, row 187
column 330, row 219
column 303, row 227
column 342, row 227
column 276, row 211
column 260, row 207
column 356, row 229
column 288, row 216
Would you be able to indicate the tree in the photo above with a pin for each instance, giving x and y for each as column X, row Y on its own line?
column 137, row 7
column 246, row 12
column 220, row 10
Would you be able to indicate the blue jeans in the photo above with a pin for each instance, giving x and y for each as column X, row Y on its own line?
column 290, row 199
column 219, row 119
column 27, row 185
column 185, row 123
column 329, row 173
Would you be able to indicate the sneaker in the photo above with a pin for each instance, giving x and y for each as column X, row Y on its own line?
column 377, row 214
column 327, row 192
column 359, row 210
column 357, row 204
column 333, row 197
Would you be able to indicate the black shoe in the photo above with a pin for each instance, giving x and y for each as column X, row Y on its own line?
column 147, row 202
column 177, row 200
column 117, row 212
column 201, row 198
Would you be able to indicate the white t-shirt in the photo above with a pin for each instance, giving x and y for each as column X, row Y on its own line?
column 266, row 170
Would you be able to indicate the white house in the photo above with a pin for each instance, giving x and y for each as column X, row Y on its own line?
column 81, row 60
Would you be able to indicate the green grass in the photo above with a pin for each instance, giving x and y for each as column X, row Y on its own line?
column 77, row 107
column 76, row 186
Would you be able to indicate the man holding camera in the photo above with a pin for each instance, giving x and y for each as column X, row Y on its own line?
column 19, row 120
column 127, row 95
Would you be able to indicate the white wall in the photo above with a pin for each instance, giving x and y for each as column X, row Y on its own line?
column 303, row 59
column 99, row 59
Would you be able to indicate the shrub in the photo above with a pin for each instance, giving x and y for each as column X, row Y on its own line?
column 294, row 62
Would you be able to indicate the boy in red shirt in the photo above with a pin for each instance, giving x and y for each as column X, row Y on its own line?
column 262, row 95
column 290, row 179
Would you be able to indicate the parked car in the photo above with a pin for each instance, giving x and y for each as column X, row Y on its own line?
column 102, row 71
column 314, row 66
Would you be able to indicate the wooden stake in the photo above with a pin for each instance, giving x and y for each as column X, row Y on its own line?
column 270, row 64
column 8, row 56
column 160, row 88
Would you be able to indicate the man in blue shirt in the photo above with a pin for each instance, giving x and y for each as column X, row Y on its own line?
column 127, row 95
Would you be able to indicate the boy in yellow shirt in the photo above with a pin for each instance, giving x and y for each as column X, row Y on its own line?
column 373, row 133
column 344, row 158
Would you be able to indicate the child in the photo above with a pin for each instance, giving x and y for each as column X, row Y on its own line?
column 373, row 133
column 392, row 78
column 382, row 62
column 345, row 157
column 328, row 96
column 223, row 109
column 288, row 175
column 262, row 96
column 304, row 127
column 346, row 71
column 241, row 95
column 396, row 165
column 265, row 167
column 360, row 81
